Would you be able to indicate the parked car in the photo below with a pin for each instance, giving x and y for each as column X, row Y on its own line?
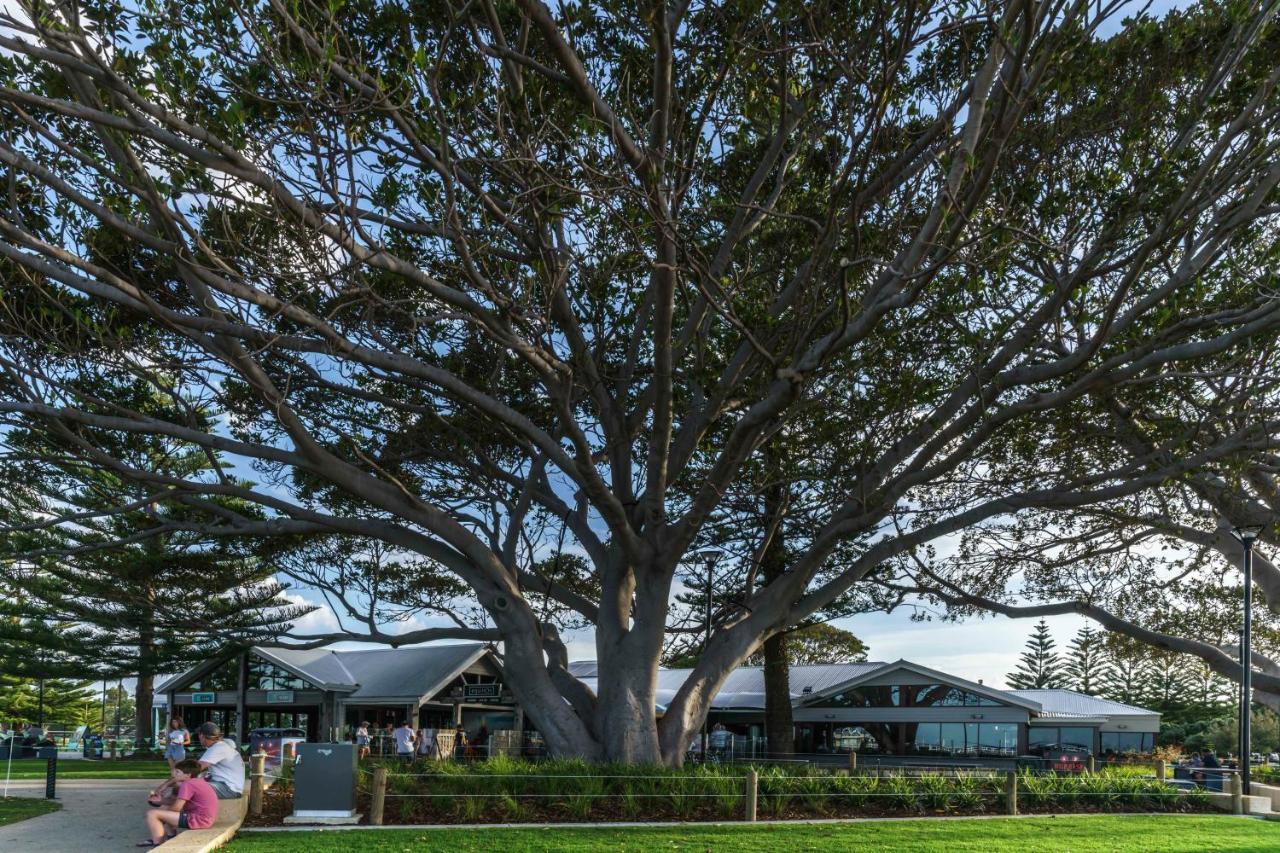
column 271, row 740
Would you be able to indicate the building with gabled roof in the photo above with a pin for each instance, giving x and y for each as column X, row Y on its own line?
column 901, row 710
column 325, row 692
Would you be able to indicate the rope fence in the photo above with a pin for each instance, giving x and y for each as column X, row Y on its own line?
column 746, row 791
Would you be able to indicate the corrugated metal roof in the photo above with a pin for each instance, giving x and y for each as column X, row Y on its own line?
column 320, row 666
column 1068, row 703
column 408, row 672
column 367, row 674
column 744, row 688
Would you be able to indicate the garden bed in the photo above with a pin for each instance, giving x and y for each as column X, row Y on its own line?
column 507, row 791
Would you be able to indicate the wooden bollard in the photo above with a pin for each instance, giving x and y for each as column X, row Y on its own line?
column 113, row 749
column 1011, row 791
column 1160, row 770
column 1237, row 795
column 853, row 761
column 290, row 751
column 379, row 796
column 1092, row 764
column 753, row 785
column 257, row 782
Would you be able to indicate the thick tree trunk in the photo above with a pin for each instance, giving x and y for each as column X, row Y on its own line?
column 628, row 651
column 144, row 692
column 779, row 727
column 142, row 697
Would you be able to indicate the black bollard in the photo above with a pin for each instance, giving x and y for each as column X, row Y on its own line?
column 51, row 775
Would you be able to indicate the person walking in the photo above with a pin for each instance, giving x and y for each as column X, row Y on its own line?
column 405, row 741
column 176, row 740
column 460, row 748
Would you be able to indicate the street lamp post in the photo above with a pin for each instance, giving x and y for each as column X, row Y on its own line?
column 1247, row 534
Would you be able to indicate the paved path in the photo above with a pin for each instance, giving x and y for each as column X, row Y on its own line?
column 97, row 816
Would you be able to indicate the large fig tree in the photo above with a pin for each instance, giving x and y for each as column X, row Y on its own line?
column 450, row 272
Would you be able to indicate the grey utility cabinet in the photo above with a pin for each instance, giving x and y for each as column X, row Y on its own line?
column 324, row 783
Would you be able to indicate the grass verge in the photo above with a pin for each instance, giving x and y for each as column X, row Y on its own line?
column 1077, row 833
column 15, row 809
column 34, row 768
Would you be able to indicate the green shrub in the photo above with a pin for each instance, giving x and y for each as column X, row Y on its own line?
column 503, row 789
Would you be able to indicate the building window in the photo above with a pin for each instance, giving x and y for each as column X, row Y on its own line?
column 906, row 696
column 225, row 677
column 1077, row 737
column 262, row 676
column 1119, row 743
column 989, row 739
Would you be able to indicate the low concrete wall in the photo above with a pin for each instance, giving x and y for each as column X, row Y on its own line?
column 1252, row 804
column 1271, row 791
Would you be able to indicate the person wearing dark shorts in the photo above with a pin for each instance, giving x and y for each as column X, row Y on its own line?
column 196, row 806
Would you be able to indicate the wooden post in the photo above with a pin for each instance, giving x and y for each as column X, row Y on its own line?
column 290, row 748
column 1237, row 795
column 379, row 796
column 1011, row 791
column 257, row 782
column 1092, row 764
column 113, row 749
column 753, row 783
column 1160, row 770
column 853, row 761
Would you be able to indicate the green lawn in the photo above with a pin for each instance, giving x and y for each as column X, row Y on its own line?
column 1079, row 834
column 34, row 768
column 15, row 809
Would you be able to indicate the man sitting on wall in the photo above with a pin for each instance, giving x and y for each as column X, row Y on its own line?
column 222, row 761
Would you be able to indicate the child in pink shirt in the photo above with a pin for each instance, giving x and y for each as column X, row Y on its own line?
column 195, row 807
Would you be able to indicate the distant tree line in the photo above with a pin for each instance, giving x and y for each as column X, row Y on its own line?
column 1196, row 704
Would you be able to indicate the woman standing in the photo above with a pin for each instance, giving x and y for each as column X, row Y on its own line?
column 176, row 740
column 362, row 740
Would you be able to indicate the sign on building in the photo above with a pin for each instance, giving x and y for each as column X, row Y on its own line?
column 279, row 697
column 204, row 698
column 472, row 692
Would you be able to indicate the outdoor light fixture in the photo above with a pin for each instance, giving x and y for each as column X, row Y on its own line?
column 1247, row 534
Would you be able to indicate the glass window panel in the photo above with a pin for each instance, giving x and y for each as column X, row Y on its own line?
column 998, row 738
column 1041, row 735
column 952, row 737
column 928, row 738
column 1077, row 736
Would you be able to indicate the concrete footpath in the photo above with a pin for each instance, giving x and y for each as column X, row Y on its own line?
column 97, row 816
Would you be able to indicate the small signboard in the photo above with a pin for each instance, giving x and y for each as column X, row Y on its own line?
column 204, row 698
column 279, row 696
column 482, row 691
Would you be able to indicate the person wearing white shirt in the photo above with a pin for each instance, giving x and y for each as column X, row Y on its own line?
column 224, row 768
column 405, row 740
